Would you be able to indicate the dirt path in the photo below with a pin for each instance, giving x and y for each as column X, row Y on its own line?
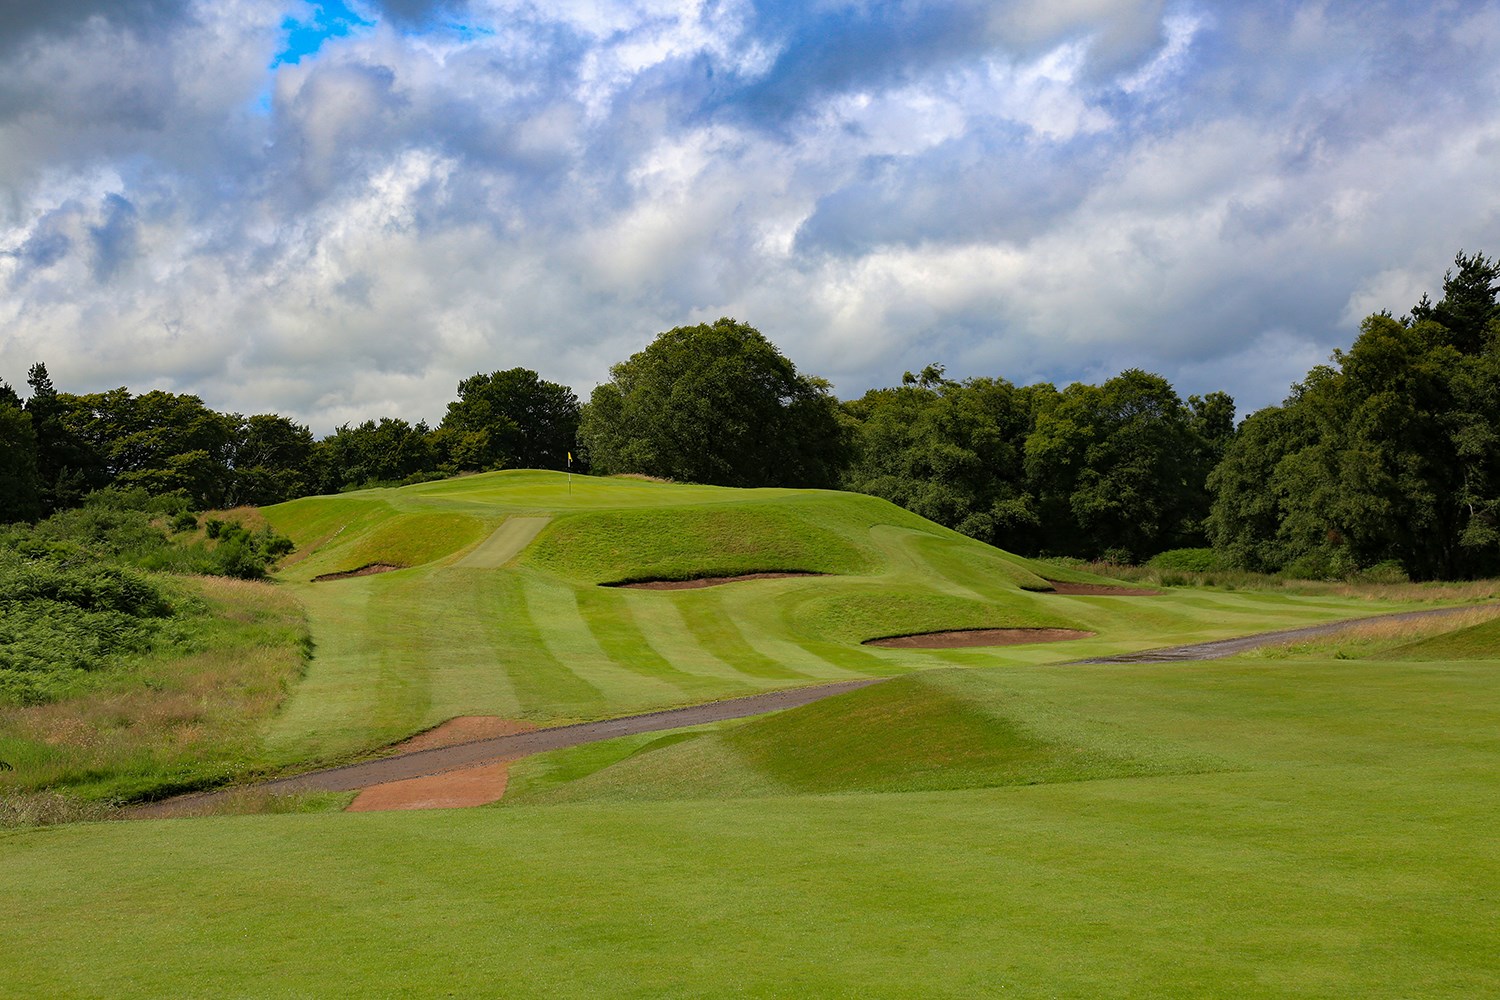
column 1218, row 649
column 423, row 763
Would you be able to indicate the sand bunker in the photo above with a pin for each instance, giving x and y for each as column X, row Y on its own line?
column 455, row 789
column 471, row 786
column 963, row 638
column 1099, row 590
column 369, row 570
column 706, row 581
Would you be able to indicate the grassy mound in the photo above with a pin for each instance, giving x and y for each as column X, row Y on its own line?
column 1476, row 642
column 939, row 730
column 681, row 544
column 500, row 612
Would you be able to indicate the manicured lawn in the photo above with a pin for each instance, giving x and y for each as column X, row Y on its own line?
column 500, row 612
column 1283, row 828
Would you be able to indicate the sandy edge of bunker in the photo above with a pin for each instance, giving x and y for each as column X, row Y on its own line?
column 696, row 583
column 973, row 637
column 367, row 570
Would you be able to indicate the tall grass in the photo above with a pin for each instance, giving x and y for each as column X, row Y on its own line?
column 1238, row 579
column 183, row 715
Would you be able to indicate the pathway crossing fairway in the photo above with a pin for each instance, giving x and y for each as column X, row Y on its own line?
column 504, row 544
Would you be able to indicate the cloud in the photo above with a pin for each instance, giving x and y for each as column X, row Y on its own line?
column 1044, row 190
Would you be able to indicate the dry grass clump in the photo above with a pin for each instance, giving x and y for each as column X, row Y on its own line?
column 1370, row 639
column 1234, row 579
column 186, row 716
column 48, row 809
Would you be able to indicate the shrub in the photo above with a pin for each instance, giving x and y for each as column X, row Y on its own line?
column 1189, row 560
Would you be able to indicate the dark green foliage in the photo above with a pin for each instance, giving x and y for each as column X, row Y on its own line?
column 509, row 419
column 714, row 404
column 1113, row 470
column 950, row 452
column 77, row 597
column 160, row 441
column 1200, row 560
column 1390, row 454
column 20, row 484
column 67, row 468
column 60, row 622
column 273, row 461
column 382, row 453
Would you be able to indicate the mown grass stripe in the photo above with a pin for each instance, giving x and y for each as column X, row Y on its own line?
column 715, row 628
column 568, row 638
column 545, row 687
column 610, row 616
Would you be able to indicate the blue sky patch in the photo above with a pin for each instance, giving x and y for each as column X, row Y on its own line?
column 331, row 19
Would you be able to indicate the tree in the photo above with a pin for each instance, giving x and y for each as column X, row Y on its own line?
column 20, row 493
column 158, row 440
column 272, row 460
column 509, row 418
column 1119, row 465
column 714, row 403
column 1388, row 454
column 948, row 451
column 67, row 468
column 373, row 454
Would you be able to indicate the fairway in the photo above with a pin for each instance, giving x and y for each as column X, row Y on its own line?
column 501, row 609
column 1310, row 820
column 1304, row 828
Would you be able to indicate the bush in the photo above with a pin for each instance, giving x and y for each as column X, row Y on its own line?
column 1187, row 560
column 1390, row 571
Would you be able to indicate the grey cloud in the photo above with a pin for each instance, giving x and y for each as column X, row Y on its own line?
column 410, row 13
column 46, row 245
column 23, row 19
column 115, row 239
column 989, row 185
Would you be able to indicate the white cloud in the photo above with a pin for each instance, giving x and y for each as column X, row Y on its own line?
column 1051, row 191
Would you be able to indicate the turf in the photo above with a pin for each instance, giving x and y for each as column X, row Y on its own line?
column 1340, row 846
column 1297, row 826
column 499, row 609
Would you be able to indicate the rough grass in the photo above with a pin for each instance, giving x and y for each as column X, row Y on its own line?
column 185, row 716
column 1233, row 579
column 1477, row 639
column 1472, row 634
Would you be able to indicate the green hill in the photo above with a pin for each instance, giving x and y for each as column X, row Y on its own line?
column 499, row 604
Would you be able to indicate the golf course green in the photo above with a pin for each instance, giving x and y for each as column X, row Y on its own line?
column 1309, row 821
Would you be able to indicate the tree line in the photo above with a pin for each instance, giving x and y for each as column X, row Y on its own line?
column 1390, row 454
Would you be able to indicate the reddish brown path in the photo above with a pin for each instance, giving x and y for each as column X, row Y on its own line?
column 421, row 763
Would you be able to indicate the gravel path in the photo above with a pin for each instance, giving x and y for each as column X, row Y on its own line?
column 1220, row 648
column 421, row 763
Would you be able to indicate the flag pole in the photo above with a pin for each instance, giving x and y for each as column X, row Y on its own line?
column 570, row 473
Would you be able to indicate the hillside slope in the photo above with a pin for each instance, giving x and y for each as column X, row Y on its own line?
column 502, row 603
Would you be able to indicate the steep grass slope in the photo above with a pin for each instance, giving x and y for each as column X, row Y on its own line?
column 500, row 609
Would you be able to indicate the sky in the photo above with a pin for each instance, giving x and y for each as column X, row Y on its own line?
column 337, row 210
